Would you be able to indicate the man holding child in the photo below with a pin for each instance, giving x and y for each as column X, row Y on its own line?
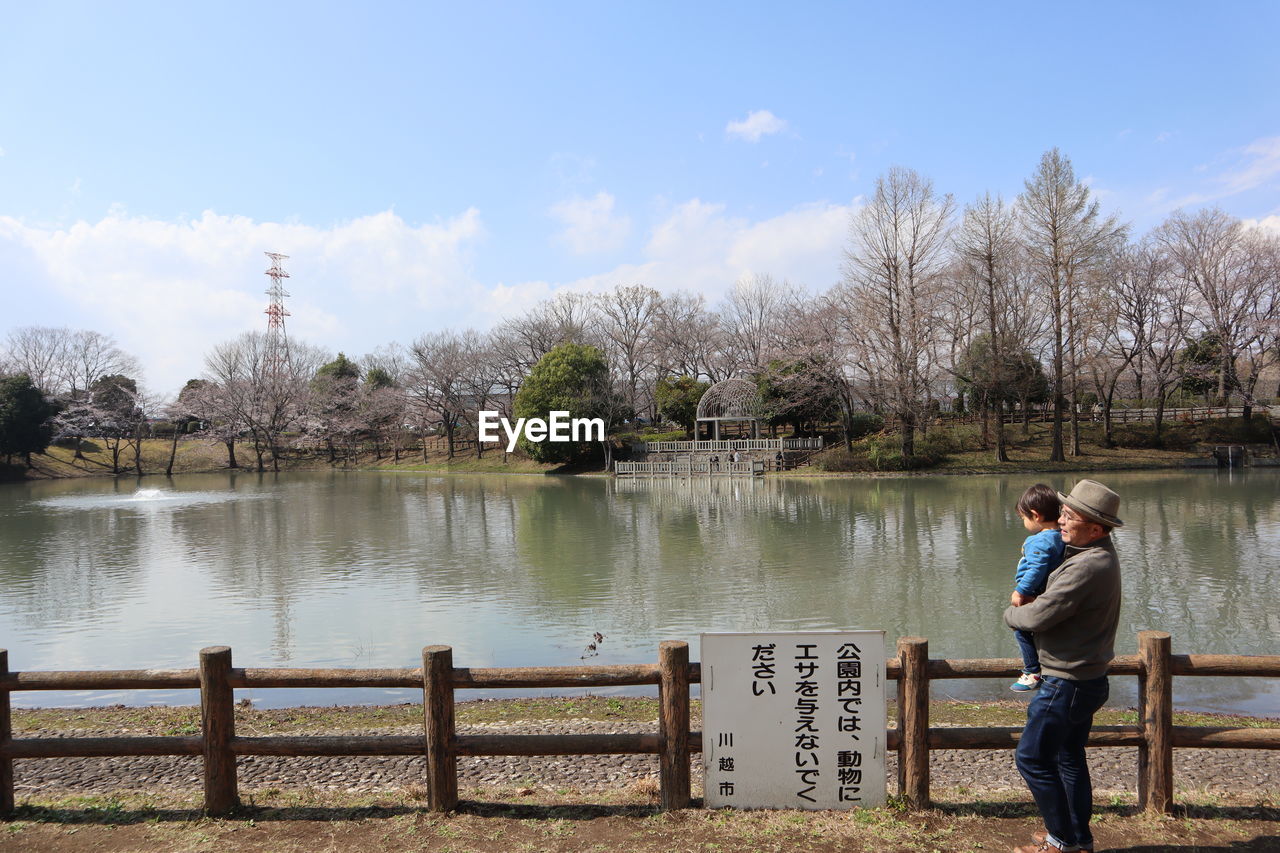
column 1073, row 623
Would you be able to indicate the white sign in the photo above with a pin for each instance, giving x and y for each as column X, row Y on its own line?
column 794, row 719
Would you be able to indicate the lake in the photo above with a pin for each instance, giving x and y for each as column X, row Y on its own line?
column 364, row 569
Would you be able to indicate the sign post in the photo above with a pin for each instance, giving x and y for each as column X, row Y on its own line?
column 794, row 719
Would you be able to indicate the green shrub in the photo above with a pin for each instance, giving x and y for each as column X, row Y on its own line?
column 1255, row 430
column 1142, row 435
column 863, row 425
column 840, row 460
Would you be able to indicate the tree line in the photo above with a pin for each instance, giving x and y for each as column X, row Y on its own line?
column 1001, row 306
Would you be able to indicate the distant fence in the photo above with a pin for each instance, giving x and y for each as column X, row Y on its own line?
column 733, row 444
column 1154, row 735
column 1124, row 416
column 688, row 468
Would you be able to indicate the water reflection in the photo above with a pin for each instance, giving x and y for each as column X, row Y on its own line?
column 364, row 569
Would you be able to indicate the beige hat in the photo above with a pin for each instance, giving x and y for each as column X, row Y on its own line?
column 1095, row 502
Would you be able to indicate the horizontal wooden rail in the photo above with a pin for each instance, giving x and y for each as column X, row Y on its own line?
column 122, row 679
column 1226, row 738
column 1263, row 666
column 1006, row 667
column 1006, row 737
column 283, row 677
column 328, row 745
column 99, row 747
column 1154, row 735
column 555, row 676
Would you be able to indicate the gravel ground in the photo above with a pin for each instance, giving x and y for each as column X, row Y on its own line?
column 1114, row 769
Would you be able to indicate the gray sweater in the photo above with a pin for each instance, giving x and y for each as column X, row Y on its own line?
column 1075, row 619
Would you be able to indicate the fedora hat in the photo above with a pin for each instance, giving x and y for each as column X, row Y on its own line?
column 1095, row 502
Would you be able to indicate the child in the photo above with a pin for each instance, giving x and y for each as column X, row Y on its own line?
column 1041, row 553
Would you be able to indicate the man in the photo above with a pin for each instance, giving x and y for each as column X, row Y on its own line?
column 1074, row 622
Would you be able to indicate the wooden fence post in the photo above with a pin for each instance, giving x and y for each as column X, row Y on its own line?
column 913, row 721
column 6, row 737
column 1156, row 758
column 218, row 725
column 437, row 710
column 673, row 723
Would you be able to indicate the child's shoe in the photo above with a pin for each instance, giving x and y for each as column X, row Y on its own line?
column 1027, row 681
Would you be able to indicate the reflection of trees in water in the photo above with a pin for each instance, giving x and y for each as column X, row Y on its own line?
column 73, row 568
column 553, row 559
column 1198, row 556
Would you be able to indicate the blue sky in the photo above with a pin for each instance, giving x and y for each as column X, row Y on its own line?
column 435, row 165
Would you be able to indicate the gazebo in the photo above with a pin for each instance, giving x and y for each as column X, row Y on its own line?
column 728, row 400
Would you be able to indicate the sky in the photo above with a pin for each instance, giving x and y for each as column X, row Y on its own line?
column 445, row 165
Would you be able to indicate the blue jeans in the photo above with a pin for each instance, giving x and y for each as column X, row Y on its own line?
column 1051, row 759
column 1030, row 657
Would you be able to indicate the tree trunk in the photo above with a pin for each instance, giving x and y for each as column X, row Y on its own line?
column 173, row 452
column 1002, row 451
column 908, row 424
column 231, row 453
column 1159, row 417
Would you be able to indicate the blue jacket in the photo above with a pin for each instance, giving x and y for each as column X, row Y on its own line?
column 1041, row 554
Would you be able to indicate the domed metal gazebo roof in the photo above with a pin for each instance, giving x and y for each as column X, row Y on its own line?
column 730, row 400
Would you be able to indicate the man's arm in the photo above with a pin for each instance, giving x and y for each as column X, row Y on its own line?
column 1059, row 601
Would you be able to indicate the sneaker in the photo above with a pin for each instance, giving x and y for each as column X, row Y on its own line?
column 1042, row 838
column 1026, row 681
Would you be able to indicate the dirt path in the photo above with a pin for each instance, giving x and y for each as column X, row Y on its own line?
column 1114, row 770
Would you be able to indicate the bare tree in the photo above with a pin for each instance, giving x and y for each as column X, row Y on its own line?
column 627, row 316
column 987, row 246
column 1146, row 328
column 1231, row 272
column 1064, row 232
column 894, row 283
column 93, row 355
column 566, row 317
column 264, row 394
column 42, row 354
column 437, row 382
column 752, row 315
column 689, row 340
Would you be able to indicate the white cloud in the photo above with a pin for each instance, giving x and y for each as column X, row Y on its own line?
column 590, row 224
column 1164, row 136
column 698, row 247
column 1251, row 167
column 169, row 291
column 1260, row 164
column 758, row 123
column 1268, row 223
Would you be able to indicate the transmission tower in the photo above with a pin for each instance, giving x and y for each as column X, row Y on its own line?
column 277, row 340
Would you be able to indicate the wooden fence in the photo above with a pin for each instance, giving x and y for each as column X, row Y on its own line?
column 1154, row 734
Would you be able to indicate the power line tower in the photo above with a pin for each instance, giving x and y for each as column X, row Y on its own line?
column 277, row 340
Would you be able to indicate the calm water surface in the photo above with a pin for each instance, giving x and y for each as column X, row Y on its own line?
column 363, row 569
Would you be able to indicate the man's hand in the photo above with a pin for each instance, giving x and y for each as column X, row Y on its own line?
column 1018, row 599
